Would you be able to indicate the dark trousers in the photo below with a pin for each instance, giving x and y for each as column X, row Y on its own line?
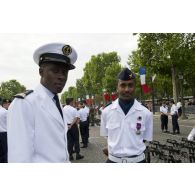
column 88, row 121
column 164, row 122
column 175, row 123
column 3, row 147
column 84, row 132
column 109, row 161
column 73, row 139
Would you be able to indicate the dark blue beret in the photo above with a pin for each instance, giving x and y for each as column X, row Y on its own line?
column 126, row 75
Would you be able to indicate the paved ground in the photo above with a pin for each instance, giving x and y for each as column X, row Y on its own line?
column 93, row 154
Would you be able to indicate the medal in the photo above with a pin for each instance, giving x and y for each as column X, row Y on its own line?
column 138, row 127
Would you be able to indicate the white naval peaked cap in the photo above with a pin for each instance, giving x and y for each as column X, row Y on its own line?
column 56, row 52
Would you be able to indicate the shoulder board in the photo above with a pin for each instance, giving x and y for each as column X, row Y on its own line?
column 107, row 104
column 23, row 95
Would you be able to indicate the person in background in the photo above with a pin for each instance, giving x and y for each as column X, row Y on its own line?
column 179, row 108
column 174, row 116
column 164, row 117
column 87, row 110
column 3, row 132
column 83, row 114
column 72, row 117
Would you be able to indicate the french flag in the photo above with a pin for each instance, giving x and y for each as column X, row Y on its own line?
column 145, row 87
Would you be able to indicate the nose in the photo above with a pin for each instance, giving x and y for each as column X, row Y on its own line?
column 62, row 76
column 127, row 88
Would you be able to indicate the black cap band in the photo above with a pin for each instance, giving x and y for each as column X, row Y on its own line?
column 52, row 57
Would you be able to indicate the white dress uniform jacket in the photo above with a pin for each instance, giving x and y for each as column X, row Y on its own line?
column 121, row 129
column 3, row 119
column 36, row 130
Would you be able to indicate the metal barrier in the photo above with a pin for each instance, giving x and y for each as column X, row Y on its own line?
column 172, row 151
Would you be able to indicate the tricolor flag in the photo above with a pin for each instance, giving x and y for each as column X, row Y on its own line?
column 145, row 87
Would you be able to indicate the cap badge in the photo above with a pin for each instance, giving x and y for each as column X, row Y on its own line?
column 130, row 76
column 67, row 50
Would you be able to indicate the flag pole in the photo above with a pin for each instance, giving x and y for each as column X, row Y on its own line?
column 152, row 93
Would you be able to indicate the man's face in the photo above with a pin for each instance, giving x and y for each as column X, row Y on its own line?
column 53, row 76
column 126, row 89
column 6, row 105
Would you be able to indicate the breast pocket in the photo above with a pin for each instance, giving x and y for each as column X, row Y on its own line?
column 113, row 126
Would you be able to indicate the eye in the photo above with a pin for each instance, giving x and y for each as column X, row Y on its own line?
column 123, row 85
column 130, row 85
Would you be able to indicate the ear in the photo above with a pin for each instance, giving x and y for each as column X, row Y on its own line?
column 41, row 71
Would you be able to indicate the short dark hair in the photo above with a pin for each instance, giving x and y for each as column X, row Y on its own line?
column 69, row 100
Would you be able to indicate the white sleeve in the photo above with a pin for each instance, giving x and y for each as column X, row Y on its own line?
column 191, row 136
column 148, row 133
column 103, row 129
column 20, row 131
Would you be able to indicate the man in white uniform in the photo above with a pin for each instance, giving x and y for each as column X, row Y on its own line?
column 37, row 129
column 83, row 114
column 126, row 123
column 164, row 117
column 3, row 133
column 72, row 117
column 174, row 116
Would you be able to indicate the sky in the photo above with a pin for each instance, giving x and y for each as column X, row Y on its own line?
column 16, row 49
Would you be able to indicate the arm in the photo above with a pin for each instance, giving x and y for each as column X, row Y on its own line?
column 191, row 136
column 20, row 131
column 148, row 134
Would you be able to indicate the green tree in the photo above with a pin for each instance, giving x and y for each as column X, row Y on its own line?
column 167, row 55
column 10, row 88
column 110, row 79
column 72, row 92
column 95, row 70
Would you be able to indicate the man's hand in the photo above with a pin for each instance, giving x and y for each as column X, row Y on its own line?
column 105, row 151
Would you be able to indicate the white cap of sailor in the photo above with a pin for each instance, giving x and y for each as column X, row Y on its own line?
column 56, row 52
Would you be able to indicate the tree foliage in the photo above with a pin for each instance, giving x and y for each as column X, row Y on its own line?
column 167, row 55
column 110, row 79
column 10, row 88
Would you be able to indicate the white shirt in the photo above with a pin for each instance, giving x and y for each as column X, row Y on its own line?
column 164, row 109
column 87, row 110
column 179, row 105
column 3, row 119
column 70, row 113
column 121, row 129
column 174, row 109
column 83, row 114
column 191, row 136
column 36, row 130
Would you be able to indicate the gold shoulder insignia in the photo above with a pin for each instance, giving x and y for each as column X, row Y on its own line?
column 23, row 95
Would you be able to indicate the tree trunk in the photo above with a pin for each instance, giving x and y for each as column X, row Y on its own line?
column 174, row 83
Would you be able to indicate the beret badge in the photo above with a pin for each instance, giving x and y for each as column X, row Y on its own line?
column 67, row 50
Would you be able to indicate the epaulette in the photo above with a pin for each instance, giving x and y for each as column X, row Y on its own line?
column 107, row 104
column 23, row 95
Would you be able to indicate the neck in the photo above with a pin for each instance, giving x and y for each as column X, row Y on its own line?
column 126, row 101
